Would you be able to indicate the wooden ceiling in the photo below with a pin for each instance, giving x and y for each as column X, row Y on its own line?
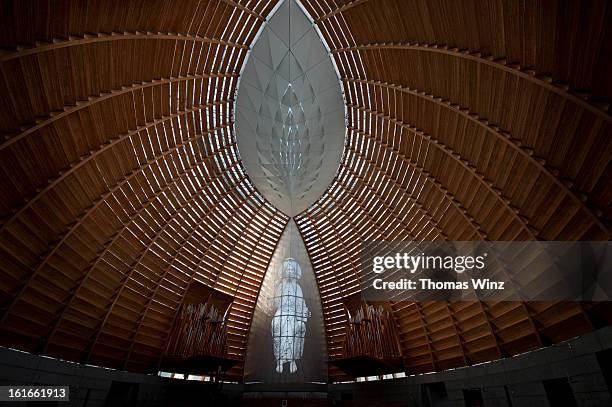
column 466, row 121
column 121, row 182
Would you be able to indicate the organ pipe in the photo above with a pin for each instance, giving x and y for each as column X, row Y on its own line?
column 372, row 331
column 200, row 330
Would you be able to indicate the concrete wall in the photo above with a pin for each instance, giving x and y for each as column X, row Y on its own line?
column 575, row 360
column 523, row 375
column 89, row 386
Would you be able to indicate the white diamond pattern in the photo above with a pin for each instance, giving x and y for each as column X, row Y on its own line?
column 290, row 113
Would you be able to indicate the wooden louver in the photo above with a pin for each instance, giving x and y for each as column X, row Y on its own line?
column 121, row 183
column 460, row 135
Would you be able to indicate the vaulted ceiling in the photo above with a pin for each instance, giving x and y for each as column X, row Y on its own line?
column 466, row 121
column 122, row 182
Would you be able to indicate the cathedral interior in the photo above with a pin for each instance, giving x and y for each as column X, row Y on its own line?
column 189, row 191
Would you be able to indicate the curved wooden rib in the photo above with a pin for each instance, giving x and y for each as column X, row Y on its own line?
column 75, row 165
column 246, row 10
column 546, row 82
column 497, row 192
column 10, row 140
column 419, row 206
column 454, row 201
column 86, row 39
column 514, row 144
column 147, row 306
column 340, row 9
column 134, row 266
column 90, row 210
column 116, row 235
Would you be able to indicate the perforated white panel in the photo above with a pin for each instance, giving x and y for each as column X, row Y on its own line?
column 290, row 113
column 287, row 337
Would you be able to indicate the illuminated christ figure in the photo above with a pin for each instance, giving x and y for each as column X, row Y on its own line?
column 289, row 321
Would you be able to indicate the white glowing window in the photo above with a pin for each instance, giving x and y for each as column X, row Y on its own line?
column 290, row 317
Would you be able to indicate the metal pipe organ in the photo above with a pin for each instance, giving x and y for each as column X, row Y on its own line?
column 199, row 329
column 371, row 331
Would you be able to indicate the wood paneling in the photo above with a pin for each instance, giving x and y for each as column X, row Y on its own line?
column 121, row 182
column 466, row 120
